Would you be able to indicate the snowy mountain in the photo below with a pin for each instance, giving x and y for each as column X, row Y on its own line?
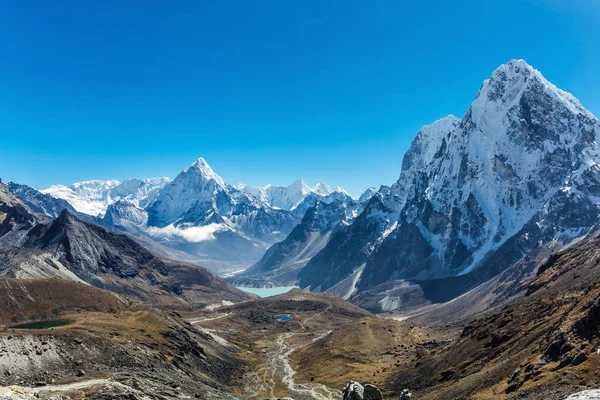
column 198, row 212
column 94, row 197
column 40, row 202
column 519, row 170
column 367, row 194
column 200, row 197
column 281, row 263
column 290, row 197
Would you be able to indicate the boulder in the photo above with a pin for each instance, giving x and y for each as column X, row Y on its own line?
column 353, row 391
column 405, row 395
column 356, row 391
column 372, row 393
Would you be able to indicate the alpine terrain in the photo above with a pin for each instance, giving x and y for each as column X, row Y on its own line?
column 476, row 275
column 517, row 174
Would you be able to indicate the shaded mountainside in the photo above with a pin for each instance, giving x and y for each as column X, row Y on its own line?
column 518, row 172
column 40, row 202
column 349, row 248
column 72, row 249
column 542, row 345
column 281, row 263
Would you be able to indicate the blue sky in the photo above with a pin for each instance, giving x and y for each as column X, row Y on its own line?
column 265, row 91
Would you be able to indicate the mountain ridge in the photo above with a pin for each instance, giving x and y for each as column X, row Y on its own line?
column 525, row 152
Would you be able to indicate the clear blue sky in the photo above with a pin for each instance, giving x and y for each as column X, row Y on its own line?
column 266, row 91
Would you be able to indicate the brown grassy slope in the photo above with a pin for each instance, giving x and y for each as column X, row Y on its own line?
column 107, row 337
column 309, row 311
column 366, row 350
column 202, row 288
column 541, row 346
column 36, row 299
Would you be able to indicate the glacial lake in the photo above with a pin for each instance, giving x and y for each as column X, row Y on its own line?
column 267, row 292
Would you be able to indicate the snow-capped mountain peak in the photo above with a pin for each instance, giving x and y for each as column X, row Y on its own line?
column 300, row 186
column 519, row 169
column 505, row 89
column 324, row 189
column 367, row 194
column 289, row 197
column 205, row 170
column 427, row 142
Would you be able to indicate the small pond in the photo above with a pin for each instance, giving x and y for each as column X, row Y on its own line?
column 42, row 324
column 283, row 317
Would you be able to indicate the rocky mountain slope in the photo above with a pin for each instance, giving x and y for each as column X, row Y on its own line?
column 281, row 263
column 39, row 202
column 198, row 213
column 520, row 169
column 31, row 246
column 100, row 346
column 542, row 345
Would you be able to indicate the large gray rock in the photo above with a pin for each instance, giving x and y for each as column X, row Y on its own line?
column 356, row 391
column 372, row 393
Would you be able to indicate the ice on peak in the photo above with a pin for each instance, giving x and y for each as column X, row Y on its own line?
column 505, row 87
column 324, row 189
column 427, row 142
column 367, row 194
column 440, row 126
column 206, row 171
column 299, row 184
column 95, row 183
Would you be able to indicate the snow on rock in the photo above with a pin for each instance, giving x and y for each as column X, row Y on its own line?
column 505, row 163
column 593, row 394
column 522, row 167
column 93, row 197
column 367, row 194
column 291, row 196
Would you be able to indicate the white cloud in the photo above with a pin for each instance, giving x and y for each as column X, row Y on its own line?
column 194, row 234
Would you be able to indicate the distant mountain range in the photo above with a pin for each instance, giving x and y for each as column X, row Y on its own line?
column 198, row 213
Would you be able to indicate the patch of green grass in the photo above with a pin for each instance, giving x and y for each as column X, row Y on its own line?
column 43, row 324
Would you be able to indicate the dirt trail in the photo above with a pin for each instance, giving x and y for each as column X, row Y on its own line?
column 205, row 319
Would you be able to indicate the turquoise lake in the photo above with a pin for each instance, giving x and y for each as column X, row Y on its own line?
column 268, row 292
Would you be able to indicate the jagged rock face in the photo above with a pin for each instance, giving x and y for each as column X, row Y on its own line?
column 15, row 218
column 525, row 151
column 125, row 214
column 195, row 186
column 91, row 252
column 40, row 202
column 68, row 248
column 367, row 194
column 347, row 252
column 282, row 261
column 520, row 168
column 348, row 248
column 309, row 201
